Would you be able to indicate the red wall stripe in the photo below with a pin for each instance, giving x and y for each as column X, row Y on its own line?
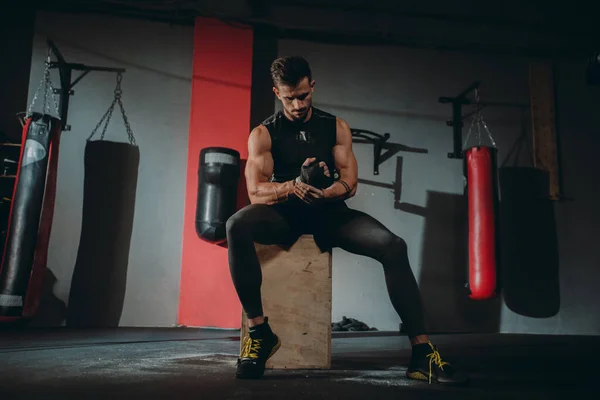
column 220, row 116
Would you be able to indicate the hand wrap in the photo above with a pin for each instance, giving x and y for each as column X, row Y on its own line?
column 314, row 175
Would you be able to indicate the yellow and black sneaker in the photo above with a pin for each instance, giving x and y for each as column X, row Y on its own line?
column 426, row 364
column 260, row 345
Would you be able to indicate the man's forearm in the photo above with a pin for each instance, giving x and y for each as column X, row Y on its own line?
column 272, row 192
column 340, row 190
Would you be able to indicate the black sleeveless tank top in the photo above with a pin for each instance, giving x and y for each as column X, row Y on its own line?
column 293, row 142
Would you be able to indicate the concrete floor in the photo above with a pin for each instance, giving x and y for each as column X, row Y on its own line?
column 199, row 364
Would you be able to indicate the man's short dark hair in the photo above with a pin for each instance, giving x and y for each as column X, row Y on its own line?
column 290, row 70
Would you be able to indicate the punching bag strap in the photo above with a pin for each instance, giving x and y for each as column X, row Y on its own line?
column 478, row 122
column 516, row 150
column 108, row 114
column 517, row 147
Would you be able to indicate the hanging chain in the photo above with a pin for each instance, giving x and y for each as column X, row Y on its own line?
column 46, row 83
column 118, row 93
column 478, row 118
column 106, row 118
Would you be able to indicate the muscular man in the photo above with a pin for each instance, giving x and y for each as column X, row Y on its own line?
column 300, row 170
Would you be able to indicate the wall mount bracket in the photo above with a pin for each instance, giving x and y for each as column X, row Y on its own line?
column 65, row 71
column 457, row 118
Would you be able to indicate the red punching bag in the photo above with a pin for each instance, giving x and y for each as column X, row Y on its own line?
column 480, row 171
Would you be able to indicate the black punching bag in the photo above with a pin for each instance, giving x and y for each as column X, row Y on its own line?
column 30, row 220
column 218, row 175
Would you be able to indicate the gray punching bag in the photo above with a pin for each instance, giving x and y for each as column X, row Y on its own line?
column 218, row 176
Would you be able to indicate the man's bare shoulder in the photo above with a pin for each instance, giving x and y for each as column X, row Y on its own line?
column 342, row 124
column 259, row 139
column 343, row 132
column 259, row 131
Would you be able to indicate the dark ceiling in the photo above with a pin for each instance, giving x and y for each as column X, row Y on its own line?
column 527, row 27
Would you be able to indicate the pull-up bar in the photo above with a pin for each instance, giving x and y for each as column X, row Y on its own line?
column 376, row 139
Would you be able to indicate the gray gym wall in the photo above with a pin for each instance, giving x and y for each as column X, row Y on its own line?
column 156, row 97
column 396, row 90
column 383, row 89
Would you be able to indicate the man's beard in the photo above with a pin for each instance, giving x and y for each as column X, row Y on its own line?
column 297, row 115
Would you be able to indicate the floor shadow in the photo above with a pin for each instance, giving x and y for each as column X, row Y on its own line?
column 371, row 360
column 100, row 274
column 444, row 270
column 529, row 243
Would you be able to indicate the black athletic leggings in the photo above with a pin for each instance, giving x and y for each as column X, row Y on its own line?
column 333, row 225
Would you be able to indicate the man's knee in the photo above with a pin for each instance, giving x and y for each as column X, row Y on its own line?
column 395, row 247
column 236, row 222
column 241, row 221
column 400, row 244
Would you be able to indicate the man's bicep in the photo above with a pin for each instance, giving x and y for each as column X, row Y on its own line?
column 343, row 153
column 259, row 165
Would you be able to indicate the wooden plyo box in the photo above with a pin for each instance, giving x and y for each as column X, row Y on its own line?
column 296, row 294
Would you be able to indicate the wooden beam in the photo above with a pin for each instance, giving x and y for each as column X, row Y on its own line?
column 543, row 118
